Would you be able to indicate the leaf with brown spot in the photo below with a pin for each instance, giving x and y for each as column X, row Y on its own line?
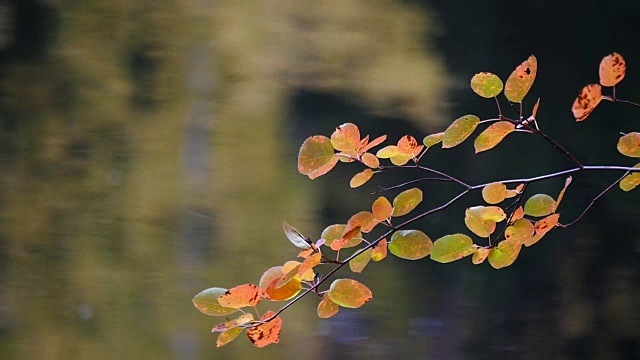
column 480, row 256
column 630, row 181
column 207, row 302
column 486, row 84
column 589, row 97
column 629, row 145
column 409, row 145
column 266, row 334
column 370, row 160
column 521, row 79
column 612, row 69
column 459, row 130
column 241, row 296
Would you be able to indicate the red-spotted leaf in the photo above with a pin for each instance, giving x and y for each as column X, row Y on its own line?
column 459, row 130
column 630, row 181
column 316, row 156
column 349, row 293
column 493, row 135
column 294, row 236
column 207, row 302
column 486, row 84
column 433, row 139
column 239, row 321
column 381, row 209
column 480, row 256
column 589, row 97
column 521, row 79
column 346, row 137
column 267, row 333
column 228, row 336
column 629, row 145
column 494, row 193
column 241, row 296
column 612, row 69
column 409, row 145
column 542, row 227
column 370, row 160
column 406, row 201
column 522, row 230
column 380, row 251
column 358, row 263
column 504, row 254
column 361, row 178
column 410, row 244
column 452, row 247
column 539, row 205
column 327, row 308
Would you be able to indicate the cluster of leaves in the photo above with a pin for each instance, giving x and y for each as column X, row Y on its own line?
column 499, row 231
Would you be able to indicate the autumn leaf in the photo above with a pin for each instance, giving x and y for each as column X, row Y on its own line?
column 361, row 178
column 380, row 251
column 370, row 160
column 630, row 181
column 480, row 256
column 589, row 97
column 269, row 283
column 452, row 247
column 346, row 137
column 410, row 244
column 267, row 333
column 381, row 209
column 295, row 237
column 358, row 263
column 230, row 324
column 504, row 254
column 433, row 139
column 327, row 308
column 521, row 79
column 227, row 336
column 406, row 201
column 481, row 220
column 629, row 145
column 522, row 231
column 349, row 293
column 542, row 227
column 539, row 205
column 241, row 296
column 207, row 302
column 486, row 84
column 493, row 135
column 459, row 130
column 494, row 193
column 612, row 69
column 334, row 233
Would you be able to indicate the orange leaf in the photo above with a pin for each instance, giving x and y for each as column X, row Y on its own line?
column 266, row 334
column 327, row 308
column 518, row 214
column 542, row 227
column 493, row 135
column 361, row 178
column 374, row 143
column 381, row 209
column 409, row 145
column 370, row 160
column 316, row 155
column 241, row 296
column 589, row 97
column 380, row 251
column 349, row 293
column 612, row 69
column 309, row 263
column 346, row 137
column 364, row 220
column 346, row 238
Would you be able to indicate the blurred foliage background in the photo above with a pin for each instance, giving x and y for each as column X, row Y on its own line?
column 148, row 151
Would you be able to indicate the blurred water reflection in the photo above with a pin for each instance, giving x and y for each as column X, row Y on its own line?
column 148, row 152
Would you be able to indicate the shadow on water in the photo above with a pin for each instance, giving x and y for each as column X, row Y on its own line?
column 148, row 151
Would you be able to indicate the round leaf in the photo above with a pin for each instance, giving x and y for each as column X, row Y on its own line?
column 494, row 193
column 410, row 244
column 370, row 160
column 380, row 251
column 349, row 293
column 493, row 135
column 486, row 84
column 361, row 178
column 207, row 302
column 327, row 308
column 316, row 155
column 504, row 254
column 241, row 296
column 381, row 209
column 459, row 130
column 346, row 137
column 334, row 232
column 480, row 255
column 589, row 97
column 406, row 201
column 452, row 247
column 269, row 282
column 539, row 205
column 521, row 79
column 612, row 69
column 522, row 230
column 629, row 145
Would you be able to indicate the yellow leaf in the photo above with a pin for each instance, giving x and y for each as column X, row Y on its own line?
column 521, row 79
column 361, row 178
column 493, row 135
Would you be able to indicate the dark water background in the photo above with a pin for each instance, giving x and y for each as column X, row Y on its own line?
column 148, row 151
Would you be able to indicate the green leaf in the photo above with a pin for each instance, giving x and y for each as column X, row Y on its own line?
column 207, row 302
column 358, row 263
column 294, row 236
column 406, row 201
column 433, row 139
column 349, row 293
column 228, row 336
column 493, row 135
column 459, row 130
column 504, row 254
column 539, row 205
column 316, row 156
column 629, row 145
column 521, row 79
column 486, row 84
column 452, row 247
column 410, row 244
column 631, row 181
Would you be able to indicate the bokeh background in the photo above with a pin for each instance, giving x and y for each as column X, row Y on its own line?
column 148, row 152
